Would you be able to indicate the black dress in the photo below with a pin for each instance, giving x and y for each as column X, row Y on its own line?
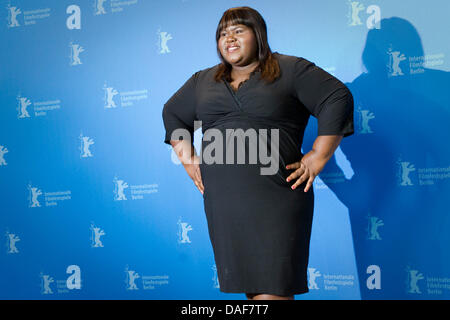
column 259, row 227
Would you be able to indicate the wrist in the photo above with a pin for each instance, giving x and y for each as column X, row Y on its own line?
column 321, row 155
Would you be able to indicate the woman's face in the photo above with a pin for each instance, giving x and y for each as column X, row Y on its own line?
column 237, row 44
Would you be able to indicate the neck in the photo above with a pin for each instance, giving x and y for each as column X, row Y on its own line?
column 243, row 71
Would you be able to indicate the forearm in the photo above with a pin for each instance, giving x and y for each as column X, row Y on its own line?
column 184, row 150
column 326, row 145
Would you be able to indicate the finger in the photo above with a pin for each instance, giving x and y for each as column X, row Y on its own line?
column 297, row 173
column 200, row 186
column 303, row 178
column 198, row 183
column 298, row 182
column 196, row 175
column 294, row 165
column 199, row 174
column 199, row 178
column 309, row 184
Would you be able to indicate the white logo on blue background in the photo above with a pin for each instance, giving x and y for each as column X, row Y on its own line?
column 313, row 274
column 34, row 193
column 3, row 151
column 148, row 282
column 405, row 168
column 119, row 188
column 355, row 8
column 72, row 282
column 46, row 280
column 130, row 279
column 126, row 98
column 40, row 107
column 110, row 92
column 138, row 192
column 412, row 278
column 163, row 37
column 51, row 198
column 354, row 18
column 30, row 17
column 13, row 12
column 372, row 227
column 395, row 57
column 96, row 233
column 113, row 6
column 364, row 117
column 99, row 8
column 183, row 229
column 86, row 142
column 22, row 108
column 11, row 240
column 75, row 50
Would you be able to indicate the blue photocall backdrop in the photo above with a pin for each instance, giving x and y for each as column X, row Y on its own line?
column 95, row 206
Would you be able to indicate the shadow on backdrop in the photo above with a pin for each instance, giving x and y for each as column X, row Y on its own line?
column 398, row 214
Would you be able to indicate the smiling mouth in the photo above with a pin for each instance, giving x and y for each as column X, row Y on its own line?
column 232, row 49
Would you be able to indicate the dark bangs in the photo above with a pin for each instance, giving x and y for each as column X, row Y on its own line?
column 233, row 17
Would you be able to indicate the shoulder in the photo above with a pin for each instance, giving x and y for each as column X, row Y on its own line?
column 293, row 66
column 205, row 74
column 287, row 60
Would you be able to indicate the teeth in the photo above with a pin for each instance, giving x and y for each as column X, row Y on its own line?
column 232, row 49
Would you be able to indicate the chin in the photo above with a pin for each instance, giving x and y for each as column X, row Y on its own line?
column 234, row 57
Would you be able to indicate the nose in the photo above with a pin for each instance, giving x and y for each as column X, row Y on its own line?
column 230, row 40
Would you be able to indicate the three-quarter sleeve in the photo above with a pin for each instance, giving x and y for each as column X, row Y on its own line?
column 325, row 97
column 179, row 111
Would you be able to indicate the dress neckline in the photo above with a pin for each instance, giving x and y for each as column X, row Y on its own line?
column 256, row 70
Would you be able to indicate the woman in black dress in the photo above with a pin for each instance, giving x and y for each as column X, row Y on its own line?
column 259, row 224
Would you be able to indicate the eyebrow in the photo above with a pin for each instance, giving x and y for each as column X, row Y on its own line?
column 233, row 27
